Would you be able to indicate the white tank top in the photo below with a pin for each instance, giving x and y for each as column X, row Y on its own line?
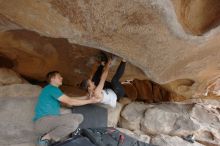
column 109, row 97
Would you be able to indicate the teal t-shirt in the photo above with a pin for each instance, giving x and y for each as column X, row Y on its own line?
column 48, row 103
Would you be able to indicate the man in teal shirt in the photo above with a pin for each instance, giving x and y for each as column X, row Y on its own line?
column 49, row 124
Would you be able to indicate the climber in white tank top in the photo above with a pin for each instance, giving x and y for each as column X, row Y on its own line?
column 109, row 97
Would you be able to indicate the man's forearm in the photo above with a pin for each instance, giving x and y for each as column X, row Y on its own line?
column 81, row 97
column 79, row 102
column 74, row 101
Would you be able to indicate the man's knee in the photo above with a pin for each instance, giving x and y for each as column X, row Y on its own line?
column 74, row 119
column 78, row 118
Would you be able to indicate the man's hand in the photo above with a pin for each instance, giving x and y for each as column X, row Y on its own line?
column 77, row 102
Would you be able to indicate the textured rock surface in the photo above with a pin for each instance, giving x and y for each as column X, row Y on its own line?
column 19, row 90
column 175, row 43
column 113, row 114
column 16, row 120
column 33, row 56
column 16, row 123
column 192, row 16
column 201, row 119
column 165, row 140
column 8, row 77
column 148, row 91
column 172, row 118
column 151, row 34
column 141, row 137
column 132, row 115
column 208, row 117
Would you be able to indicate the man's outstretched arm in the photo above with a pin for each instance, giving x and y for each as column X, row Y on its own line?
column 77, row 102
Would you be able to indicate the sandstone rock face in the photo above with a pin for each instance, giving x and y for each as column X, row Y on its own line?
column 16, row 120
column 148, row 91
column 13, row 85
column 16, row 123
column 132, row 115
column 151, row 34
column 140, row 137
column 208, row 117
column 209, row 89
column 213, row 102
column 176, row 119
column 113, row 114
column 165, row 140
column 124, row 101
column 172, row 118
column 200, row 119
column 6, row 24
column 185, row 88
column 19, row 90
column 184, row 119
column 193, row 17
column 175, row 43
column 33, row 56
column 8, row 77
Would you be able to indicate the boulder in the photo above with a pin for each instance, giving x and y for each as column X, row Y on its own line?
column 24, row 144
column 124, row 101
column 137, row 135
column 165, row 140
column 213, row 102
column 16, row 120
column 184, row 47
column 19, row 90
column 168, row 118
column 113, row 114
column 17, row 102
column 208, row 117
column 178, row 119
column 8, row 77
column 132, row 115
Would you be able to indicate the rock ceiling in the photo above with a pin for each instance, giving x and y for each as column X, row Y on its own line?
column 169, row 40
